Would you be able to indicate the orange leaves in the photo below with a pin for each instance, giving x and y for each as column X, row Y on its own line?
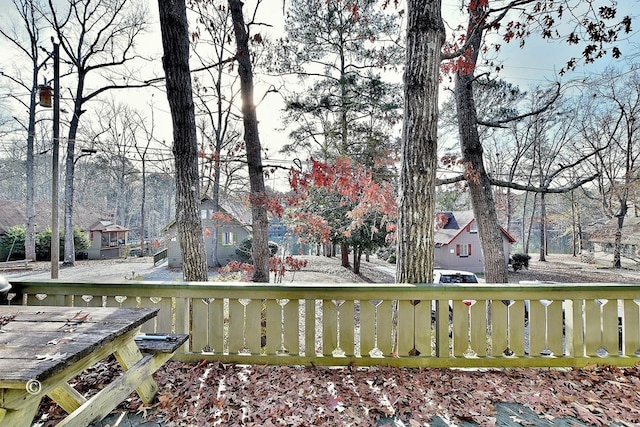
column 280, row 266
column 221, row 217
column 354, row 9
column 313, row 226
column 441, row 221
column 354, row 182
column 463, row 64
column 235, row 268
column 271, row 203
column 355, row 185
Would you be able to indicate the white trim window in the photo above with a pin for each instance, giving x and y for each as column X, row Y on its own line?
column 228, row 238
column 463, row 250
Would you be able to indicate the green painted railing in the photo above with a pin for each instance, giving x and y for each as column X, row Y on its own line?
column 478, row 325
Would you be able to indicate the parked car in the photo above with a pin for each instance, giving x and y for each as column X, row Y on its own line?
column 453, row 276
column 5, row 287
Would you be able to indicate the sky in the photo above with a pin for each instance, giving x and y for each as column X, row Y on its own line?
column 536, row 64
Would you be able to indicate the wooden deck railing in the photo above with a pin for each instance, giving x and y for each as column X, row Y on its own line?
column 478, row 325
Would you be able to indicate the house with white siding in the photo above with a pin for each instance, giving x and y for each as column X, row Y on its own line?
column 457, row 244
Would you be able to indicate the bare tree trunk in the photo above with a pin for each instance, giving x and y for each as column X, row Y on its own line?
column 31, row 25
column 143, row 212
column 415, row 245
column 617, row 261
column 30, row 236
column 260, row 246
column 175, row 41
column 574, row 224
column 543, row 227
column 531, row 221
column 357, row 256
column 344, row 255
column 70, row 166
column 581, row 245
column 484, row 209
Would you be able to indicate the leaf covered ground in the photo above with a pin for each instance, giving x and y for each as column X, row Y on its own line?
column 212, row 393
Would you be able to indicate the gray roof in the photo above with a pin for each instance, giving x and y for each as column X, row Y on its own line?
column 238, row 210
column 14, row 212
column 456, row 222
column 104, row 225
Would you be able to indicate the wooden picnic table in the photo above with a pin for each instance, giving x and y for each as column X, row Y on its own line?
column 42, row 348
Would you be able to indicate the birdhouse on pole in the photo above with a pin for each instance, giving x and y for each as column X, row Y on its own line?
column 46, row 95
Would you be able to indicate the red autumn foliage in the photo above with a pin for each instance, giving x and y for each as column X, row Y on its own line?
column 245, row 270
column 354, row 183
column 280, row 266
column 598, row 30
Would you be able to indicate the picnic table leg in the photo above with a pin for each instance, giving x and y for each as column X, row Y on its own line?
column 101, row 404
column 67, row 397
column 128, row 355
column 20, row 417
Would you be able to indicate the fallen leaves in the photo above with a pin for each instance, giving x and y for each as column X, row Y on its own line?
column 195, row 394
column 6, row 318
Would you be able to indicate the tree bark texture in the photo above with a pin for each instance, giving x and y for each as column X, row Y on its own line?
column 260, row 221
column 415, row 246
column 30, row 234
column 543, row 227
column 478, row 182
column 175, row 41
column 70, row 167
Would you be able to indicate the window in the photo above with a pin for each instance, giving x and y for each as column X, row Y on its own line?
column 473, row 227
column 203, row 214
column 463, row 251
column 228, row 238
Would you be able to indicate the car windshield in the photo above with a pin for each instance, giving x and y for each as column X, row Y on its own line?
column 458, row 278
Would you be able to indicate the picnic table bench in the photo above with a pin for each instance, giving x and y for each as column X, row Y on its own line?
column 42, row 348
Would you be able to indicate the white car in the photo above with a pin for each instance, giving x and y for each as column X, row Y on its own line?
column 5, row 287
column 453, row 276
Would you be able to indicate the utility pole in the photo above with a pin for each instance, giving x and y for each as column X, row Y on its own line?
column 55, row 228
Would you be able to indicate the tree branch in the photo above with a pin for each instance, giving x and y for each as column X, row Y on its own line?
column 545, row 190
column 500, row 123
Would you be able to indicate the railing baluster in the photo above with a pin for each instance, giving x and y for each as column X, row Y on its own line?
column 631, row 327
column 592, row 327
column 610, row 335
column 283, row 327
column 574, row 327
column 516, row 331
column 501, row 329
column 460, row 328
column 310, row 347
column 478, row 332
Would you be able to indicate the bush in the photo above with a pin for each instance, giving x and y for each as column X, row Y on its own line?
column 519, row 261
column 244, row 250
column 12, row 243
column 43, row 243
